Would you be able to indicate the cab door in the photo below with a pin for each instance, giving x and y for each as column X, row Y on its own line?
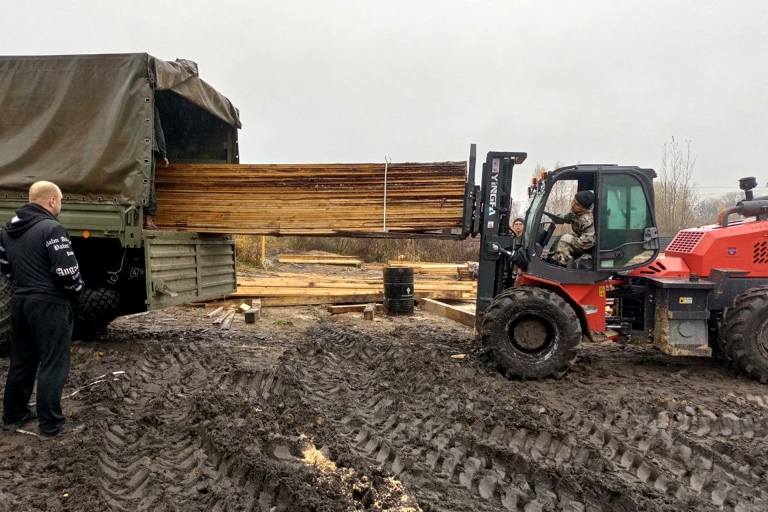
column 627, row 234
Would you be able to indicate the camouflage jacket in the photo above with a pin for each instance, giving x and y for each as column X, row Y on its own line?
column 583, row 226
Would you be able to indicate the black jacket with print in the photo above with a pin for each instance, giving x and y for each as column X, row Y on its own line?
column 36, row 254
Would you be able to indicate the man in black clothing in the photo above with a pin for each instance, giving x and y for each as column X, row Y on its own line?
column 36, row 254
column 158, row 154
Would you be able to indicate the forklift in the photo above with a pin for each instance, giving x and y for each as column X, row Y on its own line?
column 708, row 293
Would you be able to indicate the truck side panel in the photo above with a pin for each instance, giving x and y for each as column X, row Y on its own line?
column 184, row 267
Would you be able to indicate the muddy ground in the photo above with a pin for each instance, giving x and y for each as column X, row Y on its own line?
column 304, row 411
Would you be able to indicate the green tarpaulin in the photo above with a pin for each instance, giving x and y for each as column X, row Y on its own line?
column 85, row 121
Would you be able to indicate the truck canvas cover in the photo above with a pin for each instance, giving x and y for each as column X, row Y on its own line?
column 85, row 121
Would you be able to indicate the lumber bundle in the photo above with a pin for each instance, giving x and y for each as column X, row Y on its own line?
column 300, row 290
column 310, row 199
column 431, row 269
column 325, row 259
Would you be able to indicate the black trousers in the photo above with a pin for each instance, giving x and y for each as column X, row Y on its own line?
column 42, row 336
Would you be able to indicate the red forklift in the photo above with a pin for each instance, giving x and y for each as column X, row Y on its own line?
column 707, row 294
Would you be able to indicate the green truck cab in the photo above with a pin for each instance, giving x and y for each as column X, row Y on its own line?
column 85, row 122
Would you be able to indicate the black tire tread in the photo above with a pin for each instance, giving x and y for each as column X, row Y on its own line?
column 734, row 337
column 96, row 309
column 568, row 348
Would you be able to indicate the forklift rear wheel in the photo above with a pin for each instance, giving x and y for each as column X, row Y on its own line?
column 531, row 333
column 744, row 333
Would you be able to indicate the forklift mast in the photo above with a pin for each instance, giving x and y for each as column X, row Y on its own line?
column 489, row 218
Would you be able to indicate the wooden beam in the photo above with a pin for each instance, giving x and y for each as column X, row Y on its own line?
column 216, row 311
column 355, row 262
column 448, row 311
column 352, row 308
column 227, row 323
column 309, row 300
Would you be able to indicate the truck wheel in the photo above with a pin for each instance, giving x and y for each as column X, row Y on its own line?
column 744, row 333
column 6, row 295
column 96, row 309
column 531, row 333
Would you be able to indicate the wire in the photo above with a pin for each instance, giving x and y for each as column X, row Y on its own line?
column 387, row 161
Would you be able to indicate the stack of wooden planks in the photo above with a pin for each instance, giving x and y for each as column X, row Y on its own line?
column 286, row 289
column 324, row 259
column 310, row 199
column 424, row 268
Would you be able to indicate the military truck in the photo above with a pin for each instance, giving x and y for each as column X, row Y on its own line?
column 85, row 122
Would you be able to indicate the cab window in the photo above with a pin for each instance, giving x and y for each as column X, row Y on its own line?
column 625, row 216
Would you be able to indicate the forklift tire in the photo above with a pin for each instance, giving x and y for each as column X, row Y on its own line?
column 6, row 296
column 96, row 309
column 744, row 333
column 531, row 333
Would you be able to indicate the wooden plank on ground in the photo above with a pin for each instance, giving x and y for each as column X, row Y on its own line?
column 352, row 308
column 222, row 317
column 448, row 311
column 216, row 311
column 227, row 323
column 309, row 300
column 331, row 259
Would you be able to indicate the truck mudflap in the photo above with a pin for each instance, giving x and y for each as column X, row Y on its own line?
column 186, row 267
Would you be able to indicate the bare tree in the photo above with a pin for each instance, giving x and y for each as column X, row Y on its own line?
column 707, row 209
column 561, row 196
column 675, row 190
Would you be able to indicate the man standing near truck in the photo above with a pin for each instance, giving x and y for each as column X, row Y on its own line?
column 158, row 154
column 36, row 254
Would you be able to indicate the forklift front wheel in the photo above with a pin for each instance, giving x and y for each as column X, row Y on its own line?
column 744, row 333
column 531, row 333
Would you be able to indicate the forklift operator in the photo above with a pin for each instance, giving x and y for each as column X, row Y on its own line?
column 571, row 246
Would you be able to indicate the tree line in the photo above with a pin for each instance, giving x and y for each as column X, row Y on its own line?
column 679, row 203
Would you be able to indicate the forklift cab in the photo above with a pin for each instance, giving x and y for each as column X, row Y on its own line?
column 626, row 235
column 534, row 326
column 625, row 227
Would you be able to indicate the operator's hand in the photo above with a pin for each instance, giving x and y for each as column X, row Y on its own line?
column 556, row 219
column 167, row 163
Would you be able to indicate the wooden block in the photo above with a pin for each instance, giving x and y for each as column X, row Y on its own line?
column 250, row 316
column 369, row 313
column 448, row 311
column 242, row 308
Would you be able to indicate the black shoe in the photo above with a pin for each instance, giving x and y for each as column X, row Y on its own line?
column 30, row 417
column 70, row 427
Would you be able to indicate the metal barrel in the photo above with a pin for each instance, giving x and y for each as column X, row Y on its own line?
column 398, row 290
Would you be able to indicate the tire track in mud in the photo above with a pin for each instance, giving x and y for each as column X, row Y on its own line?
column 673, row 446
column 426, row 447
column 149, row 458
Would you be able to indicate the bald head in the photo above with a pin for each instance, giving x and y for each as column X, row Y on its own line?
column 47, row 195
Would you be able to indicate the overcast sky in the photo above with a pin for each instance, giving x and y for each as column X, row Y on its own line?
column 353, row 80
